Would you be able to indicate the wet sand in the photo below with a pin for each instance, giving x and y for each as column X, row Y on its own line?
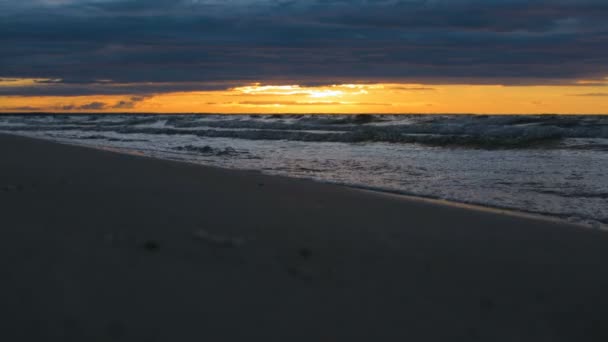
column 99, row 246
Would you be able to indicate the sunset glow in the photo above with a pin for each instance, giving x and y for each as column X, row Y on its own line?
column 579, row 97
column 313, row 56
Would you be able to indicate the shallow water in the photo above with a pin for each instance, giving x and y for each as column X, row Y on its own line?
column 551, row 165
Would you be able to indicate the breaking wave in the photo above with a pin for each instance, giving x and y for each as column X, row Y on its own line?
column 484, row 132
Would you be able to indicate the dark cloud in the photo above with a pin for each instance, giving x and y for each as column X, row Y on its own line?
column 81, row 87
column 592, row 94
column 93, row 106
column 129, row 104
column 89, row 106
column 299, row 41
column 412, row 88
column 124, row 105
column 23, row 108
column 96, row 105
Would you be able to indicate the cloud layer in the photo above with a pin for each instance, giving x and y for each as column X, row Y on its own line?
column 206, row 44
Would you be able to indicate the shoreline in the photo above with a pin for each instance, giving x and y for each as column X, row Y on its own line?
column 488, row 209
column 379, row 191
column 98, row 245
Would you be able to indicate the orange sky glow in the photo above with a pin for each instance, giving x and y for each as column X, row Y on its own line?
column 579, row 97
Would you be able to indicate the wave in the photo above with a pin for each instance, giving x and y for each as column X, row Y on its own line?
column 388, row 135
column 567, row 185
column 483, row 132
column 210, row 151
column 103, row 137
column 579, row 194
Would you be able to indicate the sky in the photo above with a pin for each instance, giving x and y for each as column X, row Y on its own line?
column 304, row 56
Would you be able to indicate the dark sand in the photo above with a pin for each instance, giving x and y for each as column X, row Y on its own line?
column 98, row 246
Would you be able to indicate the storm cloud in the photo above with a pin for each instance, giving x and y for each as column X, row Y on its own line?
column 208, row 44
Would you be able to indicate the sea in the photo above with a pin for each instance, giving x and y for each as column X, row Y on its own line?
column 550, row 165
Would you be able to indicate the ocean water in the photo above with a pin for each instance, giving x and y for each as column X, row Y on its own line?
column 549, row 165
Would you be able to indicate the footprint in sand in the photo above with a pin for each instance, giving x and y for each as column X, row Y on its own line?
column 13, row 188
column 305, row 253
column 302, row 269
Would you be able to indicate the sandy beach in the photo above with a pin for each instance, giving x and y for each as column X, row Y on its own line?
column 100, row 246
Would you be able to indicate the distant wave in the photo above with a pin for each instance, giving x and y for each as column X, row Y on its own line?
column 484, row 132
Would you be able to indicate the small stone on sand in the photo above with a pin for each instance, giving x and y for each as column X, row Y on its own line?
column 151, row 246
column 305, row 253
